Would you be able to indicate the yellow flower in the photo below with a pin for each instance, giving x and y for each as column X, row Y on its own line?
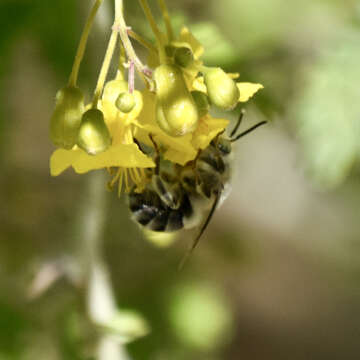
column 123, row 154
column 207, row 130
column 146, row 124
column 179, row 150
column 247, row 90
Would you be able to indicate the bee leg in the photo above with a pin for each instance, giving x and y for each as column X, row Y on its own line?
column 194, row 167
column 157, row 155
column 170, row 194
column 203, row 228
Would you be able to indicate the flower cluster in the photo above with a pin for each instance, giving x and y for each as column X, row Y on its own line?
column 172, row 111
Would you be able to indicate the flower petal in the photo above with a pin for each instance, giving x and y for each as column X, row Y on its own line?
column 207, row 130
column 61, row 159
column 199, row 85
column 247, row 90
column 179, row 157
column 179, row 150
column 128, row 156
column 187, row 36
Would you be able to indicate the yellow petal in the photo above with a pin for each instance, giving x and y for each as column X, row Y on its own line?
column 199, row 84
column 247, row 90
column 178, row 157
column 234, row 76
column 191, row 71
column 61, row 159
column 187, row 36
column 179, row 149
column 146, row 117
column 128, row 156
column 207, row 130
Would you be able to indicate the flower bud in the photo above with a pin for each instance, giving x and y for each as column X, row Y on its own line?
column 222, row 90
column 113, row 89
column 170, row 50
column 94, row 136
column 66, row 118
column 201, row 101
column 183, row 56
column 125, row 102
column 176, row 111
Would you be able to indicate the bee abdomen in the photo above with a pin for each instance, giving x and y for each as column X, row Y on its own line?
column 149, row 211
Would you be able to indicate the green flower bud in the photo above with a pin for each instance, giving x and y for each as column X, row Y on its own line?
column 114, row 88
column 183, row 56
column 201, row 101
column 222, row 90
column 94, row 136
column 170, row 50
column 176, row 110
column 125, row 102
column 66, row 118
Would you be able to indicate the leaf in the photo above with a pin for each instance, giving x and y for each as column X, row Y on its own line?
column 126, row 326
column 328, row 113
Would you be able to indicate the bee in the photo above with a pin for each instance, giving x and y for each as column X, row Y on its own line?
column 184, row 197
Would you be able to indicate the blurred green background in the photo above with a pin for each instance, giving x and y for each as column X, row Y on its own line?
column 277, row 273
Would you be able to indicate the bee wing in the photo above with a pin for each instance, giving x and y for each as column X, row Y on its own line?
column 203, row 228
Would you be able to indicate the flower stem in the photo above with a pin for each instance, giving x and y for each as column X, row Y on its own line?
column 101, row 304
column 166, row 17
column 82, row 44
column 130, row 52
column 105, row 66
column 147, row 44
column 155, row 29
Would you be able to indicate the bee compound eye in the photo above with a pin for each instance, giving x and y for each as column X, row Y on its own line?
column 224, row 146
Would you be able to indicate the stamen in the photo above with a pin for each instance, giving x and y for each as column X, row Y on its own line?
column 127, row 186
column 115, row 178
column 136, row 176
column 120, row 183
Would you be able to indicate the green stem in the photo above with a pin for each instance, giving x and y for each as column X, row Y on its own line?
column 105, row 66
column 100, row 299
column 155, row 29
column 123, row 31
column 147, row 44
column 82, row 44
column 166, row 17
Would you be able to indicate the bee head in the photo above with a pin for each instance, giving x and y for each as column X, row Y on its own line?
column 223, row 145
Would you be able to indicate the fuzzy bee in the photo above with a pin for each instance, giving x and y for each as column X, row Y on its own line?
column 184, row 197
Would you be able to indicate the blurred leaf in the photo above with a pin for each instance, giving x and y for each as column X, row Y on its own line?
column 328, row 112
column 57, row 25
column 12, row 325
column 126, row 326
column 201, row 317
column 218, row 50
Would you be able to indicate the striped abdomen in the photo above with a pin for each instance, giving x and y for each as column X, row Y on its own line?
column 150, row 211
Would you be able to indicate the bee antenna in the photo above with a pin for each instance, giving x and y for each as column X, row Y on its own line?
column 248, row 131
column 203, row 228
column 238, row 123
